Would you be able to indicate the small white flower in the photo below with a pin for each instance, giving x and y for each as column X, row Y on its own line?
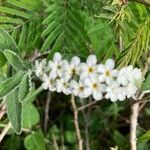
column 72, row 69
column 122, row 77
column 56, row 66
column 79, row 89
column 130, row 75
column 89, row 68
column 131, row 90
column 107, row 71
column 114, row 92
column 96, row 89
column 40, row 67
column 62, row 86
column 48, row 83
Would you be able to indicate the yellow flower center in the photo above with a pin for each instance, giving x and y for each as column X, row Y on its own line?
column 58, row 67
column 50, row 82
column 73, row 71
column 81, row 88
column 90, row 69
column 108, row 73
column 95, row 86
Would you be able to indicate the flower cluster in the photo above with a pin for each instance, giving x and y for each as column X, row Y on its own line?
column 84, row 79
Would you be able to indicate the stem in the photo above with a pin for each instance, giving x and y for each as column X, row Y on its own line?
column 86, row 130
column 134, row 121
column 135, row 111
column 47, row 111
column 55, row 142
column 87, row 105
column 4, row 132
column 76, row 123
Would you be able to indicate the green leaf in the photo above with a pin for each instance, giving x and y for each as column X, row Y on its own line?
column 13, row 142
column 35, row 141
column 22, row 38
column 14, row 12
column 3, row 59
column 32, row 94
column 10, row 20
column 144, row 137
column 9, row 84
column 54, row 34
column 14, row 59
column 30, row 115
column 6, row 41
column 14, row 110
column 24, row 87
column 146, row 83
column 70, row 136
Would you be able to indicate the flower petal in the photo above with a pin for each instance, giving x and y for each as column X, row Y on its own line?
column 57, row 57
column 101, row 68
column 97, row 96
column 110, row 64
column 75, row 61
column 91, row 60
column 53, row 74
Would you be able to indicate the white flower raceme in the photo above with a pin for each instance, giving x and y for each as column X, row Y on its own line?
column 95, row 88
column 48, row 83
column 56, row 66
column 63, row 86
column 89, row 79
column 40, row 67
column 89, row 68
column 107, row 71
column 79, row 89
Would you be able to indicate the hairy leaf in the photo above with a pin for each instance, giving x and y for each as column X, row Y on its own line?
column 6, row 41
column 9, row 84
column 14, row 110
column 23, row 88
column 14, row 59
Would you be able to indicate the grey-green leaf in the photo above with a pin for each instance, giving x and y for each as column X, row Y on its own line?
column 32, row 94
column 6, row 41
column 23, row 87
column 14, row 110
column 35, row 141
column 14, row 59
column 9, row 84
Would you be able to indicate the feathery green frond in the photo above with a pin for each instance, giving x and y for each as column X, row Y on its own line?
column 64, row 25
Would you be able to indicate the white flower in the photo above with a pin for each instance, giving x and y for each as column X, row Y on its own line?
column 107, row 71
column 72, row 69
column 40, row 67
column 131, row 90
column 48, row 83
column 114, row 92
column 130, row 75
column 89, row 68
column 62, row 86
column 56, row 66
column 96, row 89
column 79, row 89
column 122, row 77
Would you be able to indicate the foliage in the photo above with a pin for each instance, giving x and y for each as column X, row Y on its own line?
column 32, row 30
